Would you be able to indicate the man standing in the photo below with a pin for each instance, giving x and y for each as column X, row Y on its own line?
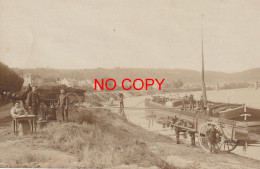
column 192, row 133
column 212, row 138
column 63, row 102
column 121, row 103
column 184, row 100
column 33, row 99
column 29, row 88
column 177, row 134
column 4, row 94
column 191, row 100
column 178, row 130
column 201, row 103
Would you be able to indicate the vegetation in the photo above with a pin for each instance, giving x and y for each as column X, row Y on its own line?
column 170, row 75
column 9, row 79
column 100, row 139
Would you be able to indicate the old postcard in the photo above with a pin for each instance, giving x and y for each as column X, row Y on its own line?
column 130, row 84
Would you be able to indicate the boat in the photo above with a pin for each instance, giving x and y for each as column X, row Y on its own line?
column 237, row 122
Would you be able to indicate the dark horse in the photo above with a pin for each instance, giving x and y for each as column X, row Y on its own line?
column 21, row 95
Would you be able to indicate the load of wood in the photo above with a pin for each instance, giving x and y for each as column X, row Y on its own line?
column 52, row 93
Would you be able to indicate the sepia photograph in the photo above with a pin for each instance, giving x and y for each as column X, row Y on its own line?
column 130, row 84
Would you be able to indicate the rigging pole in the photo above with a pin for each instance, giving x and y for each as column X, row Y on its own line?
column 204, row 93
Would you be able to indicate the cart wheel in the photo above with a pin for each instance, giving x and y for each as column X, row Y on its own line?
column 228, row 146
column 203, row 139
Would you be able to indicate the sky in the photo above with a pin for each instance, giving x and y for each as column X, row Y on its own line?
column 83, row 34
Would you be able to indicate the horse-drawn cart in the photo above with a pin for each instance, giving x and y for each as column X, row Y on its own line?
column 230, row 132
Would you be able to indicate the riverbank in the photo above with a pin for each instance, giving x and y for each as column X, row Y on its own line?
column 93, row 139
column 101, row 139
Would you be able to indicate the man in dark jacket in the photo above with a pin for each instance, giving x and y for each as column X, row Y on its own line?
column 184, row 101
column 121, row 103
column 212, row 134
column 63, row 102
column 191, row 101
column 33, row 99
column 29, row 88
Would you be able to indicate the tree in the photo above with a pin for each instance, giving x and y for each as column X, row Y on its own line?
column 9, row 79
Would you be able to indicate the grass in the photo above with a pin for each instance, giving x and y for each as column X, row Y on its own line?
column 100, row 139
column 23, row 159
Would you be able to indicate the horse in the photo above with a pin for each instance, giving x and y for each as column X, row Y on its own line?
column 21, row 95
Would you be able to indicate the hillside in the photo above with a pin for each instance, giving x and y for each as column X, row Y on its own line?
column 169, row 74
column 103, row 139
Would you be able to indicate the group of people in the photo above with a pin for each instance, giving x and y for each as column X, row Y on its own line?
column 191, row 102
column 33, row 102
column 5, row 95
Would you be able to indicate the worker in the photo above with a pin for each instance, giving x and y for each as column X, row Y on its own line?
column 192, row 137
column 33, row 99
column 63, row 103
column 111, row 101
column 4, row 94
column 23, row 126
column 184, row 100
column 191, row 101
column 211, row 134
column 177, row 134
column 201, row 103
column 18, row 110
column 191, row 132
column 210, row 110
column 121, row 103
column 29, row 88
column 178, row 130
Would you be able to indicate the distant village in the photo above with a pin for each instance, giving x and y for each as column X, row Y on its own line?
column 38, row 80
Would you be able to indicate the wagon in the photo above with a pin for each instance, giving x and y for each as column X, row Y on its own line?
column 231, row 132
column 48, row 104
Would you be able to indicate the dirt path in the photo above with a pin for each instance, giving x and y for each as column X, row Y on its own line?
column 5, row 108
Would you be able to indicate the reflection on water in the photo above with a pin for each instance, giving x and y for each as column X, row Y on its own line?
column 250, row 97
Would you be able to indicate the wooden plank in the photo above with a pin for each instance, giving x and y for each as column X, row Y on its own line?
column 223, row 120
column 183, row 127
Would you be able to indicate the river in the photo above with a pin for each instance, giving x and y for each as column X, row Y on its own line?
column 249, row 96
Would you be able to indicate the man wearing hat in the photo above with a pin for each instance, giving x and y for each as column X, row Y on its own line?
column 212, row 134
column 33, row 99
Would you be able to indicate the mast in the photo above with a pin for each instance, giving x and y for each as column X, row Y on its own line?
column 204, row 94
